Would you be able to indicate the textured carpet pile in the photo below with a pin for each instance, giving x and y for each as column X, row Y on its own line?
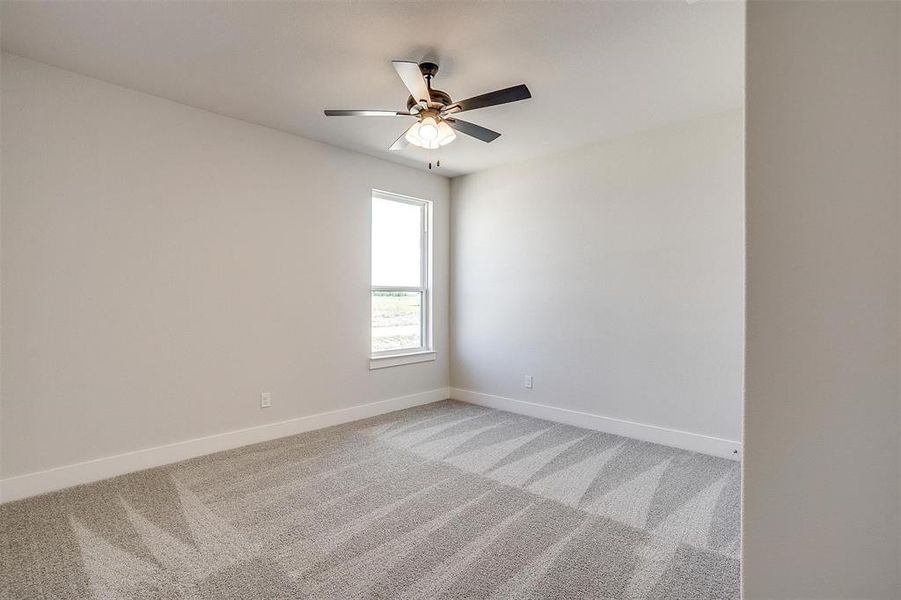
column 446, row 500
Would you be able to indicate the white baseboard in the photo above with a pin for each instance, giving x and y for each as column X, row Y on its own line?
column 32, row 484
column 650, row 433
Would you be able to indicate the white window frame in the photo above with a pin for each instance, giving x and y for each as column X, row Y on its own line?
column 393, row 358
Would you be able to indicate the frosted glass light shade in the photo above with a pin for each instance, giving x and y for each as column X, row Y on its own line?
column 430, row 133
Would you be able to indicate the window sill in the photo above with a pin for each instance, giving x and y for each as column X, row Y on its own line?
column 396, row 360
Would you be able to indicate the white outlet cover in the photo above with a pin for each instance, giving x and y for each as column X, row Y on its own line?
column 528, row 381
column 265, row 399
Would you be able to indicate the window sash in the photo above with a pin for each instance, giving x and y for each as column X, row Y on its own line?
column 423, row 322
column 425, row 278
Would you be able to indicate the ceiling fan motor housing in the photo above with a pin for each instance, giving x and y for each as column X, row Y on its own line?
column 429, row 70
column 438, row 97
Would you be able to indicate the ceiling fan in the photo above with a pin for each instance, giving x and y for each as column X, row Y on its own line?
column 434, row 111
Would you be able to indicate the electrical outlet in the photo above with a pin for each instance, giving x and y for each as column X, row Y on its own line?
column 528, row 382
column 265, row 399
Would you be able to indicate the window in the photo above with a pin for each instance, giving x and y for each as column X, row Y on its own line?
column 400, row 294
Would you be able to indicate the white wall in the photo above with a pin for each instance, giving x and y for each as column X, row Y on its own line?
column 612, row 274
column 163, row 265
column 821, row 468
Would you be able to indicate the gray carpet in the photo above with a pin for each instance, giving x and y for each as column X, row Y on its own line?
column 446, row 500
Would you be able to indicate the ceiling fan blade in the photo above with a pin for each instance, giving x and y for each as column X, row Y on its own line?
column 401, row 142
column 504, row 96
column 412, row 77
column 366, row 113
column 471, row 129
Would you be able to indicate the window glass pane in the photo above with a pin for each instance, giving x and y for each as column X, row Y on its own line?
column 396, row 321
column 396, row 243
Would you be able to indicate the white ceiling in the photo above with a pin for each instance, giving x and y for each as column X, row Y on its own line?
column 596, row 70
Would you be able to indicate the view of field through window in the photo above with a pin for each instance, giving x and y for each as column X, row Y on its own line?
column 396, row 320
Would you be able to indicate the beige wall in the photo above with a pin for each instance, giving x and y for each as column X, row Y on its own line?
column 163, row 265
column 613, row 274
column 821, row 469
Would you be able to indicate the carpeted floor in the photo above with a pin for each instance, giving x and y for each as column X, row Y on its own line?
column 446, row 500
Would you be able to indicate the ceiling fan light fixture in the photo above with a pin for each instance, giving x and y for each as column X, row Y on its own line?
column 430, row 133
